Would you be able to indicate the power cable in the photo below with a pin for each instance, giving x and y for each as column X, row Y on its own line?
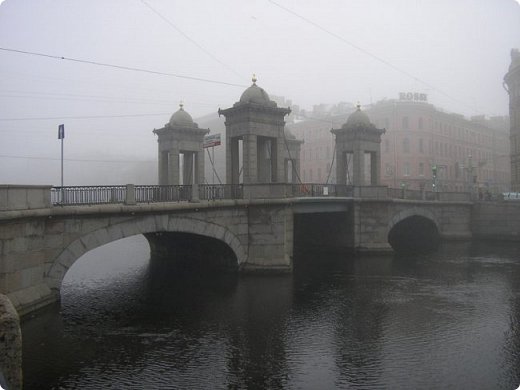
column 69, row 96
column 368, row 53
column 200, row 47
column 74, row 159
column 82, row 117
column 129, row 68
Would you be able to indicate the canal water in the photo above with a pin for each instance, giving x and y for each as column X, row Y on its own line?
column 448, row 320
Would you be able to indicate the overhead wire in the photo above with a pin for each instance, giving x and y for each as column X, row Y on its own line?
column 370, row 54
column 200, row 47
column 82, row 117
column 74, row 159
column 122, row 67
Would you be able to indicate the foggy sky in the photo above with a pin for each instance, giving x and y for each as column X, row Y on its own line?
column 456, row 51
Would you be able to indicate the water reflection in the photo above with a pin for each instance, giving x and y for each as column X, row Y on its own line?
column 444, row 320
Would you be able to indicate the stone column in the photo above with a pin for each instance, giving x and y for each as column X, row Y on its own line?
column 10, row 344
column 359, row 167
column 199, row 170
column 262, row 152
column 173, row 167
column 231, row 160
column 250, row 158
column 163, row 167
column 296, row 169
column 341, row 174
column 375, row 168
column 278, row 163
column 187, row 171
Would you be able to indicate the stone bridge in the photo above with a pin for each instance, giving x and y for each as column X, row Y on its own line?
column 40, row 240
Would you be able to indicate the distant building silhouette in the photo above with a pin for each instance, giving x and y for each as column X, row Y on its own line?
column 512, row 81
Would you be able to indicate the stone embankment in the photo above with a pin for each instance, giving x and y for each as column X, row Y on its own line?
column 10, row 346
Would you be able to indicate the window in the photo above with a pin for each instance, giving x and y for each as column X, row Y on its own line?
column 387, row 146
column 420, row 124
column 406, row 169
column 405, row 122
column 406, row 145
column 421, row 169
column 421, row 146
column 387, row 123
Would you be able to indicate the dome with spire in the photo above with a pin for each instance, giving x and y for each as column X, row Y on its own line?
column 256, row 95
column 181, row 118
column 358, row 119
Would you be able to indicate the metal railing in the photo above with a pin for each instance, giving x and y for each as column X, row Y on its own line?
column 153, row 193
column 81, row 195
column 319, row 190
column 84, row 195
column 130, row 194
column 220, row 191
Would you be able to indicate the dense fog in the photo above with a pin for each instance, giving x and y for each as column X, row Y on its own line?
column 111, row 72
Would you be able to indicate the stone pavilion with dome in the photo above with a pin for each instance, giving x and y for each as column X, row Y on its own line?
column 356, row 140
column 180, row 144
column 258, row 124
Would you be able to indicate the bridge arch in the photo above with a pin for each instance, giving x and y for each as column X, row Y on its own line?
column 139, row 225
column 414, row 229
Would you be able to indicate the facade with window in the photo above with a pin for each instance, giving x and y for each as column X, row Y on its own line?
column 470, row 155
column 512, row 81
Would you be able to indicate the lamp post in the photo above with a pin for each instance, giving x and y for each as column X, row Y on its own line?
column 434, row 177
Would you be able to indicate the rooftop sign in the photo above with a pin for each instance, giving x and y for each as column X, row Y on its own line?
column 413, row 96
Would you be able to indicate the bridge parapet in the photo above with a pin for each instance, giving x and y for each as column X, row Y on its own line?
column 24, row 197
column 27, row 197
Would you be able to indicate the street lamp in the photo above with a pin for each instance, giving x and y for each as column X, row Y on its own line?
column 434, row 177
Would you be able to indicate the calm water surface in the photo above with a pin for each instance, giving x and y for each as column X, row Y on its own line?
column 449, row 320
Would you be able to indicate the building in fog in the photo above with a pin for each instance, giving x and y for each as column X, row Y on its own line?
column 465, row 155
column 468, row 155
column 512, row 82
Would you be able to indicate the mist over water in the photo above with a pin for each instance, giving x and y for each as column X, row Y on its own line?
column 450, row 319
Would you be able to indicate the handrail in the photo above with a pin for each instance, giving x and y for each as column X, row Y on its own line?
column 130, row 194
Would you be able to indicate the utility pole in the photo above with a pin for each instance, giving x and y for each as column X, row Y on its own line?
column 61, row 136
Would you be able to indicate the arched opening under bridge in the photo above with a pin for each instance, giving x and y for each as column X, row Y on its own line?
column 414, row 234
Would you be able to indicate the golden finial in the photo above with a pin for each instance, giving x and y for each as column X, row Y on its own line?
column 254, row 79
column 181, row 105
